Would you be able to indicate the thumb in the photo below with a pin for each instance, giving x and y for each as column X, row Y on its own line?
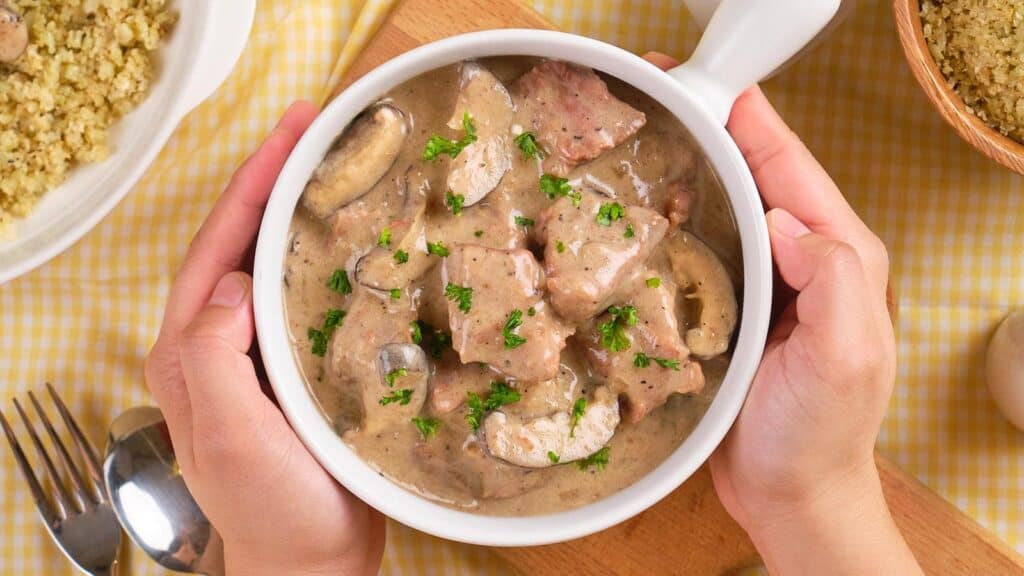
column 225, row 396
column 835, row 314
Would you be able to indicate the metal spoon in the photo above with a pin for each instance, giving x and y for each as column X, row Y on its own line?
column 150, row 497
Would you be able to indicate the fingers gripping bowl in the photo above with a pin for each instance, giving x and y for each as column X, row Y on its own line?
column 418, row 506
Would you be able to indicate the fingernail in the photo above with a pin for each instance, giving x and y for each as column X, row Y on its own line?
column 229, row 291
column 785, row 224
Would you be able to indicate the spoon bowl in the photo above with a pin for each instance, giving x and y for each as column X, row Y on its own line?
column 151, row 500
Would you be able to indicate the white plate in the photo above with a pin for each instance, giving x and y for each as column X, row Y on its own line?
column 196, row 58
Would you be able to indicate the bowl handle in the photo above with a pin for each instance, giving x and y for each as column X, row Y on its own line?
column 225, row 34
column 745, row 41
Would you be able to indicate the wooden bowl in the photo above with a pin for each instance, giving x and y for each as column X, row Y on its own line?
column 951, row 107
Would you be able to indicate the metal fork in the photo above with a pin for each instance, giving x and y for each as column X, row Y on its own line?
column 80, row 519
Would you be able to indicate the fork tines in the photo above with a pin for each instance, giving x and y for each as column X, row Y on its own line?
column 83, row 495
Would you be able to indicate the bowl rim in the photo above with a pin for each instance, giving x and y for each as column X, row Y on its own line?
column 404, row 505
column 946, row 101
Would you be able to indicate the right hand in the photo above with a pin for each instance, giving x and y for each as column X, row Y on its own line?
column 797, row 470
column 808, row 428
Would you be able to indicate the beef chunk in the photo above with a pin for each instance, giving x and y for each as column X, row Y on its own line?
column 594, row 258
column 656, row 335
column 502, row 282
column 374, row 320
column 453, row 380
column 680, row 203
column 573, row 115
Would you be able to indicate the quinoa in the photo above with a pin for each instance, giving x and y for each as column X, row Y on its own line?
column 88, row 63
column 979, row 46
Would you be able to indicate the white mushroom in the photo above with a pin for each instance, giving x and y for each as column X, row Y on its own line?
column 13, row 35
column 702, row 276
column 400, row 358
column 1005, row 368
column 481, row 165
column 405, row 258
column 360, row 157
column 545, row 441
column 399, row 391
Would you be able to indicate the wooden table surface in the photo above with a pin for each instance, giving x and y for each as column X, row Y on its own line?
column 689, row 532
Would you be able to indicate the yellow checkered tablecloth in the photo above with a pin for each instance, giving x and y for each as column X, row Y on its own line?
column 953, row 221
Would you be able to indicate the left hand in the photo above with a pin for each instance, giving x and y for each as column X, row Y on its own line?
column 276, row 508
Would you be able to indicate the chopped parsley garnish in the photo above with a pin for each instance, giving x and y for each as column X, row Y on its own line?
column 641, row 360
column 579, row 408
column 401, row 256
column 427, row 426
column 395, row 375
column 524, row 221
column 553, row 457
column 438, row 145
column 402, row 397
column 320, row 336
column 396, row 293
column 461, row 294
column 629, row 233
column 339, row 282
column 501, row 394
column 653, row 282
column 432, row 340
column 478, row 233
column 513, row 340
column 454, row 202
column 559, row 246
column 527, row 142
column 333, row 318
column 438, row 249
column 613, row 332
column 319, row 340
column 610, row 212
column 554, row 187
column 440, row 342
column 531, row 312
column 598, row 459
column 384, row 240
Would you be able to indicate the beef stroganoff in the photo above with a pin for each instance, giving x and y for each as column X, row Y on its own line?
column 512, row 285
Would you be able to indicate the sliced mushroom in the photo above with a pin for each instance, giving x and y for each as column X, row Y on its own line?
column 360, row 157
column 13, row 35
column 531, row 443
column 481, row 165
column 406, row 258
column 470, row 472
column 384, row 404
column 393, row 358
column 702, row 276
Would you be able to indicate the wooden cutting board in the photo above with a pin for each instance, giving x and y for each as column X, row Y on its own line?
column 689, row 532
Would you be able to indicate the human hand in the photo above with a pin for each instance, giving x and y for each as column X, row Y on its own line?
column 276, row 508
column 800, row 457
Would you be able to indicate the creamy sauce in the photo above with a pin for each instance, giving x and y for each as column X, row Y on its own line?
column 638, row 172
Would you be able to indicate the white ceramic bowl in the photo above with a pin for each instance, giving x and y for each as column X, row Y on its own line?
column 196, row 58
column 702, row 111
